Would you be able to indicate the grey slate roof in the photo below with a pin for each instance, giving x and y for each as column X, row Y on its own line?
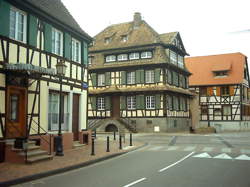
column 56, row 9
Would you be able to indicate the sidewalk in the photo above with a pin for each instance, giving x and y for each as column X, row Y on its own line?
column 16, row 173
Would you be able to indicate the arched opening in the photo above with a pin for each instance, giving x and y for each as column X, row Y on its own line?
column 111, row 128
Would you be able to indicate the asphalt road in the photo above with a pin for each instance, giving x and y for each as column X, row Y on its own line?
column 169, row 161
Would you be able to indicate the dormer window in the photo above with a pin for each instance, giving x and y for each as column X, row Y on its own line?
column 122, row 57
column 221, row 73
column 110, row 58
column 146, row 54
column 133, row 56
column 107, row 40
column 124, row 38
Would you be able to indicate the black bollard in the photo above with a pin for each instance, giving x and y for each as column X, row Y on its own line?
column 120, row 142
column 108, row 144
column 93, row 146
column 130, row 138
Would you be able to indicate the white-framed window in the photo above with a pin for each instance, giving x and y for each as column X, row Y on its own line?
column 133, row 56
column 76, row 50
column 53, row 112
column 226, row 109
column 180, row 61
column 110, row 58
column 150, row 102
column 146, row 54
column 101, row 80
column 122, row 57
column 107, row 40
column 18, row 24
column 100, row 103
column 150, row 76
column 57, row 42
column 173, row 57
column 124, row 38
column 131, row 102
column 90, row 59
column 131, row 77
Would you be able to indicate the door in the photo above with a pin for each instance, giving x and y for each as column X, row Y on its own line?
column 75, row 116
column 115, row 106
column 16, row 112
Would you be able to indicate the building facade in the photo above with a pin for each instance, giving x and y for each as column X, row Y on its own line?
column 138, row 80
column 222, row 83
column 34, row 37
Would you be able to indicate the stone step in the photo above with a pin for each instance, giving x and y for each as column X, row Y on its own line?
column 30, row 147
column 39, row 158
column 34, row 153
column 77, row 144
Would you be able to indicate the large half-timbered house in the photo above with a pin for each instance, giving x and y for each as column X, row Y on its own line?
column 222, row 82
column 34, row 36
column 137, row 79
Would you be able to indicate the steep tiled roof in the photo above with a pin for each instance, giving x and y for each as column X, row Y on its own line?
column 202, row 68
column 168, row 37
column 57, row 10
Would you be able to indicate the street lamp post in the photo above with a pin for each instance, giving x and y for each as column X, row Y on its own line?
column 61, row 70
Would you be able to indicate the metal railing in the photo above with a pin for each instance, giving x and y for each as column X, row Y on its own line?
column 127, row 123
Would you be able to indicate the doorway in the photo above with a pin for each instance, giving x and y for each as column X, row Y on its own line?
column 75, row 116
column 116, row 107
column 16, row 112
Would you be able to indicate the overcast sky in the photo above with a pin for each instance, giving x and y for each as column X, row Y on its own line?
column 206, row 26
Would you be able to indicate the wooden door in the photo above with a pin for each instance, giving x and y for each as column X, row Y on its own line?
column 16, row 112
column 75, row 116
column 116, row 107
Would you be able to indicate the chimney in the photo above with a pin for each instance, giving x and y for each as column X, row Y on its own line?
column 137, row 19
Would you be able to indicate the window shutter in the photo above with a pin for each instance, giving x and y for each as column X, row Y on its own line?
column 231, row 90
column 123, row 77
column 93, row 102
column 142, row 76
column 140, row 102
column 48, row 38
column 157, row 101
column 138, row 77
column 108, row 78
column 157, row 75
column 107, row 103
column 209, row 91
column 4, row 18
column 123, row 102
column 84, row 48
column 67, row 46
column 218, row 91
column 93, row 79
column 32, row 31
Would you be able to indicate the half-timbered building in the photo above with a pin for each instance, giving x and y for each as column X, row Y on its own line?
column 222, row 82
column 137, row 79
column 34, row 36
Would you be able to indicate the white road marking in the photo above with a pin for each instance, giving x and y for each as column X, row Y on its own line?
column 226, row 150
column 172, row 148
column 223, row 156
column 208, row 149
column 242, row 157
column 245, row 151
column 155, row 148
column 135, row 182
column 189, row 148
column 202, row 155
column 163, row 169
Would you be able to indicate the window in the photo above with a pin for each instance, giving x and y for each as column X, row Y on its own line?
column 146, row 54
column 54, row 111
column 131, row 77
column 217, row 111
column 180, row 61
column 76, row 50
column 204, row 109
column 203, row 91
column 122, row 57
column 176, row 103
column 18, row 21
column 175, row 78
column 169, row 76
column 150, row 76
column 101, row 80
column 14, row 103
column 107, row 40
column 124, row 38
column 225, row 90
column 226, row 110
column 150, row 102
column 220, row 73
column 131, row 102
column 57, row 42
column 110, row 58
column 133, row 56
column 90, row 60
column 169, row 102
column 100, row 103
column 173, row 57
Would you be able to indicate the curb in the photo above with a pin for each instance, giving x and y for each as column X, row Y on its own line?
column 65, row 169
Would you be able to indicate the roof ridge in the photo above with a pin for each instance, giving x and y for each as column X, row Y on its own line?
column 216, row 55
